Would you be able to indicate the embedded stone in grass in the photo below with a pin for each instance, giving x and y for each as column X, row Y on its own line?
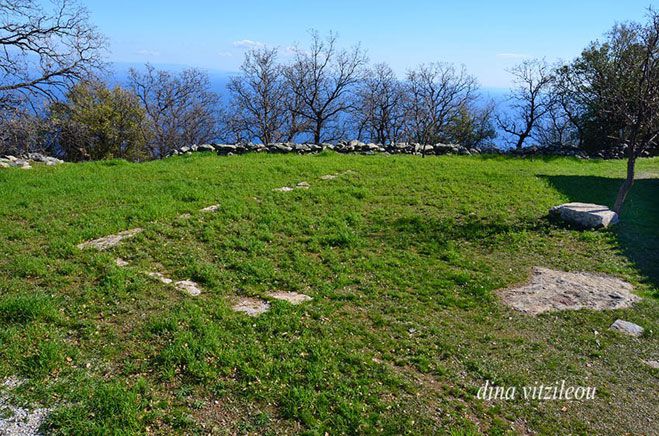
column 251, row 306
column 551, row 291
column 188, row 286
column 109, row 241
column 185, row 216
column 283, row 189
column 654, row 364
column 213, row 208
column 160, row 277
column 291, row 297
column 120, row 262
column 626, row 327
column 303, row 185
column 328, row 177
column 585, row 215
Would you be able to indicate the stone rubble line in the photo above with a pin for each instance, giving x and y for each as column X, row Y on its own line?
column 25, row 162
column 359, row 147
column 354, row 146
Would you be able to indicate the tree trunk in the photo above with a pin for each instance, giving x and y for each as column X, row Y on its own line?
column 316, row 133
column 628, row 183
column 521, row 139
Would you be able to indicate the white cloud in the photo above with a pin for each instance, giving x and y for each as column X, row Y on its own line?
column 247, row 44
column 512, row 55
column 149, row 53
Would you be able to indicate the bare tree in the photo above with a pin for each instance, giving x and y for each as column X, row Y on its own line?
column 557, row 127
column 260, row 98
column 24, row 131
column 181, row 108
column 378, row 111
column 530, row 101
column 434, row 95
column 322, row 79
column 45, row 47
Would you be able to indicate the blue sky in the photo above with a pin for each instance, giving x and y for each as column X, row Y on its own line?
column 486, row 36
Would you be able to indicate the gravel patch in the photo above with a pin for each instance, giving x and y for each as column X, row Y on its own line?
column 19, row 421
column 109, row 241
column 551, row 291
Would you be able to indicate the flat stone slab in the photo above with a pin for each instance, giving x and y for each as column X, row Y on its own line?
column 628, row 328
column 585, row 215
column 291, row 297
column 109, row 241
column 303, row 185
column 328, row 177
column 160, row 277
column 283, row 189
column 654, row 364
column 213, row 208
column 189, row 287
column 551, row 291
column 120, row 262
column 251, row 306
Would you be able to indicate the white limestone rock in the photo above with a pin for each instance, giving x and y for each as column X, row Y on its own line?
column 628, row 328
column 585, row 215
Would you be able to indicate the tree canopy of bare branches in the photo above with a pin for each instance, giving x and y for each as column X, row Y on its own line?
column 321, row 79
column 378, row 110
column 261, row 100
column 45, row 47
column 181, row 107
column 434, row 94
column 530, row 100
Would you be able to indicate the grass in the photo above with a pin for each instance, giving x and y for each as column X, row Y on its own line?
column 402, row 256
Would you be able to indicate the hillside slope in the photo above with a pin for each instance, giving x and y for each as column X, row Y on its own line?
column 401, row 256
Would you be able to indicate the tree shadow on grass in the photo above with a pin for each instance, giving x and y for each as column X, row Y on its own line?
column 638, row 230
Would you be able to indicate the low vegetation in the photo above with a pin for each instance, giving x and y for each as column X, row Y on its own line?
column 401, row 256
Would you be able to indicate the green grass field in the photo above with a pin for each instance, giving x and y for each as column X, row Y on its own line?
column 401, row 255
